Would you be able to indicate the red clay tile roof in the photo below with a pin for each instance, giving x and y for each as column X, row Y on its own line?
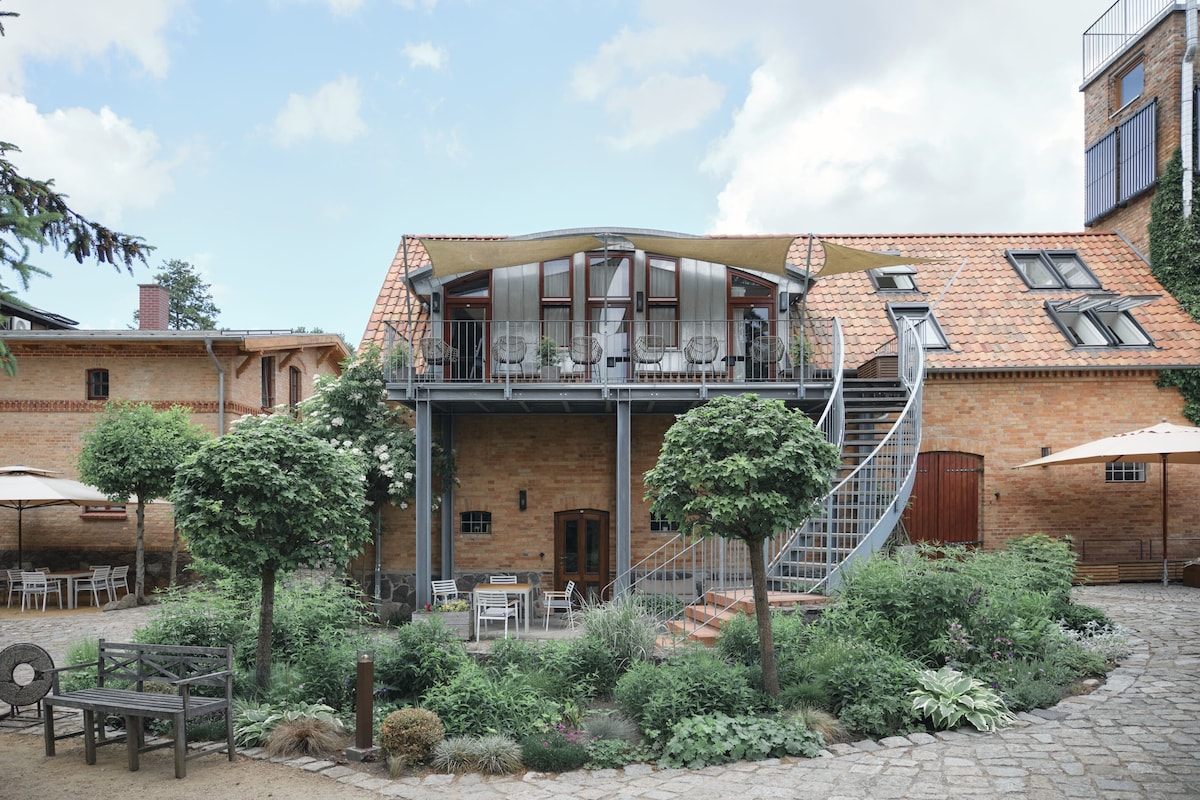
column 991, row 319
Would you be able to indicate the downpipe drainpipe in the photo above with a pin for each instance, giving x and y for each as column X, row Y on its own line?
column 220, row 387
column 1187, row 112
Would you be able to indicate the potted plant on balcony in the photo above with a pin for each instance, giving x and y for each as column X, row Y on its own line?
column 454, row 614
column 397, row 363
column 547, row 359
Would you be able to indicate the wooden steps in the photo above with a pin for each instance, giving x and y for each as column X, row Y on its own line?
column 702, row 621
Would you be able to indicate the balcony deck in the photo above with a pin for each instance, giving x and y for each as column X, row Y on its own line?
column 657, row 371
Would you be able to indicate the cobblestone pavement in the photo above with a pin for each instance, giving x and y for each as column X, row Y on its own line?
column 1136, row 736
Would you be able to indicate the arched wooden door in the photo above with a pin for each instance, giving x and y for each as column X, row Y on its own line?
column 581, row 551
column 944, row 507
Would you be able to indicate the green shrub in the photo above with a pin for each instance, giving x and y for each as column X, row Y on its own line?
column 329, row 673
column 1109, row 643
column 737, row 640
column 81, row 652
column 624, row 627
column 693, row 683
column 701, row 741
column 612, row 754
column 417, row 657
column 869, row 691
column 558, row 748
column 592, row 666
column 408, row 735
column 1076, row 617
column 253, row 722
column 497, row 755
column 455, row 755
column 472, row 703
column 946, row 697
column 605, row 725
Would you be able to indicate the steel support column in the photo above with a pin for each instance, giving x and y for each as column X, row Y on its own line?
column 447, row 505
column 624, row 466
column 424, row 501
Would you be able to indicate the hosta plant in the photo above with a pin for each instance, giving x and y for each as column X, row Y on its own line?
column 947, row 697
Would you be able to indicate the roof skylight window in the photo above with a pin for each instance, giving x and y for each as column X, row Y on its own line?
column 1050, row 269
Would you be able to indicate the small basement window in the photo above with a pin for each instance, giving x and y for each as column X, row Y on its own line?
column 662, row 524
column 475, row 522
column 97, row 384
column 1125, row 472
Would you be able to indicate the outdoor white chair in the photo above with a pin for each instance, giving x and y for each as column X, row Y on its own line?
column 35, row 584
column 493, row 606
column 118, row 577
column 444, row 591
column 553, row 600
column 14, row 583
column 503, row 579
column 95, row 584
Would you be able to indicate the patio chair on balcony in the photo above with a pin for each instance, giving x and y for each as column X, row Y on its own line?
column 766, row 354
column 701, row 353
column 436, row 353
column 585, row 352
column 648, row 352
column 509, row 350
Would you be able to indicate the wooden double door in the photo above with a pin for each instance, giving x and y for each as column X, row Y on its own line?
column 581, row 551
column 944, row 507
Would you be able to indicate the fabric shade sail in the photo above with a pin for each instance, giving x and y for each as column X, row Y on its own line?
column 760, row 253
column 1165, row 443
column 32, row 487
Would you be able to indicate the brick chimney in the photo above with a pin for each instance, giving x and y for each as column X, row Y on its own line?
column 153, row 307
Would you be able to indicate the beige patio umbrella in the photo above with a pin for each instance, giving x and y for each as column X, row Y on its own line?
column 1166, row 443
column 33, row 487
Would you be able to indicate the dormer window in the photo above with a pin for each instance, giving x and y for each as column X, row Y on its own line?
column 1051, row 269
column 1101, row 320
column 900, row 278
column 922, row 317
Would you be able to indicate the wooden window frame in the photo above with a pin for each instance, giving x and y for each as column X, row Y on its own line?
column 92, row 376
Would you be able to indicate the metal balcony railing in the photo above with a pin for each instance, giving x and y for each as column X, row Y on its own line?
column 481, row 352
column 1124, row 21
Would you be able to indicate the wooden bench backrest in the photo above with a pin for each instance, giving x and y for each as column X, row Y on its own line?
column 162, row 663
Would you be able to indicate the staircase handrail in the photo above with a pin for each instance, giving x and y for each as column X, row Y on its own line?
column 902, row 442
column 694, row 556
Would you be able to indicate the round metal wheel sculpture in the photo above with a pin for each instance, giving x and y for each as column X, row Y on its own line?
column 24, row 653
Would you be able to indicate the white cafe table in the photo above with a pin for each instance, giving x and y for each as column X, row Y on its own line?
column 69, row 579
column 510, row 589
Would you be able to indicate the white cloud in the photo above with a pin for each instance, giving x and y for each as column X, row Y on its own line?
column 859, row 117
column 331, row 114
column 661, row 106
column 103, row 163
column 83, row 31
column 425, row 54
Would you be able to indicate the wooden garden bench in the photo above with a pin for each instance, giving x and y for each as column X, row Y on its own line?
column 162, row 677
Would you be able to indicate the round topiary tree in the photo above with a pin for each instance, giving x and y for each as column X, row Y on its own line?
column 268, row 498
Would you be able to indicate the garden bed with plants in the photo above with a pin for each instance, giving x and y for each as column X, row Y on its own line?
column 924, row 641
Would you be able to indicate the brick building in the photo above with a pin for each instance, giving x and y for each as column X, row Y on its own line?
column 1032, row 341
column 1139, row 88
column 65, row 375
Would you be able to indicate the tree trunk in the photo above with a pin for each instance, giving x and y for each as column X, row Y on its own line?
column 762, row 612
column 139, row 561
column 266, row 623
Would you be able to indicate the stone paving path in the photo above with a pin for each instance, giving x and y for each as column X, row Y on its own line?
column 1137, row 736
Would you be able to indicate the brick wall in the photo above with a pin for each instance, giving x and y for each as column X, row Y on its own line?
column 1008, row 419
column 44, row 412
column 1161, row 52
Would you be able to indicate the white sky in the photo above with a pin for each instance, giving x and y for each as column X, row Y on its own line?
column 283, row 147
